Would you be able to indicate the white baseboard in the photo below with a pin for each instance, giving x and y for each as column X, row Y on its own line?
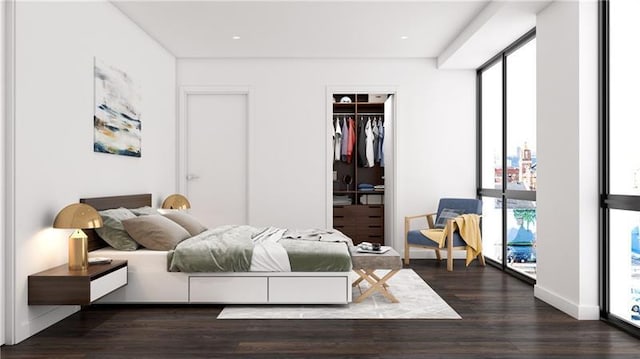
column 580, row 312
column 47, row 319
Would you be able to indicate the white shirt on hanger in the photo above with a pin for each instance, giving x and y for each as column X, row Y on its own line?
column 337, row 140
column 369, row 143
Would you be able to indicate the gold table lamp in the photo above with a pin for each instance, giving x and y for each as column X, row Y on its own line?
column 176, row 201
column 78, row 216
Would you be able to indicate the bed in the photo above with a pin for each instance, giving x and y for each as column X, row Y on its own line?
column 150, row 281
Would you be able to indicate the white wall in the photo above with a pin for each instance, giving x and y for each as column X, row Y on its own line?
column 54, row 161
column 567, row 128
column 435, row 139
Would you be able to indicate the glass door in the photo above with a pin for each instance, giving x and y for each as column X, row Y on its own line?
column 507, row 157
column 620, row 163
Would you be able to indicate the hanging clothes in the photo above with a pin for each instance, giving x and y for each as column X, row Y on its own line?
column 369, row 143
column 381, row 142
column 362, row 143
column 345, row 140
column 337, row 140
column 376, row 138
column 352, row 139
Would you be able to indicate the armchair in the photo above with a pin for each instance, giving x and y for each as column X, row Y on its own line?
column 452, row 239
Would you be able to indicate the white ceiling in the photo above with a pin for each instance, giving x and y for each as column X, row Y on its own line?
column 497, row 26
column 303, row 28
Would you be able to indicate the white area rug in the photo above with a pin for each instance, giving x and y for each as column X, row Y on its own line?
column 417, row 301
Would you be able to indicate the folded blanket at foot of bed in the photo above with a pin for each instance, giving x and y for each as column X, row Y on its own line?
column 248, row 248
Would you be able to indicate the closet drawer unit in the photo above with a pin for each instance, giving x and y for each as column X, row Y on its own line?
column 345, row 226
column 343, row 221
column 372, row 210
column 369, row 215
column 371, row 230
column 344, row 211
column 228, row 289
column 360, row 222
column 371, row 220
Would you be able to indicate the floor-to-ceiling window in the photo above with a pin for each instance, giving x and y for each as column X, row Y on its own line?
column 507, row 157
column 620, row 162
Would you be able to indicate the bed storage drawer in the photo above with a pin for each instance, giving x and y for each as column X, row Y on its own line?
column 228, row 289
column 328, row 290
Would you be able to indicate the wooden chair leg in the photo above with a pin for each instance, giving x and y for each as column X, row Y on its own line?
column 406, row 242
column 438, row 256
column 406, row 253
column 449, row 240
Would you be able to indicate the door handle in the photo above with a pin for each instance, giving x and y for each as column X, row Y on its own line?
column 192, row 177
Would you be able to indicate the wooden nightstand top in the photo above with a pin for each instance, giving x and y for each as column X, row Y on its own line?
column 93, row 272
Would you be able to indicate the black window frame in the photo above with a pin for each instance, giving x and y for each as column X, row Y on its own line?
column 608, row 201
column 503, row 194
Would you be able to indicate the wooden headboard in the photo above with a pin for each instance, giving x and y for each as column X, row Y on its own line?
column 102, row 203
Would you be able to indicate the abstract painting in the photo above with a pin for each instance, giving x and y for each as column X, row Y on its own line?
column 116, row 121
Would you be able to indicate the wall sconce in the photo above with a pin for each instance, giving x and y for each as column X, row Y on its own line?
column 78, row 216
column 176, row 201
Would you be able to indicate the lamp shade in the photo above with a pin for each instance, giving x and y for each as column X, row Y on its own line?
column 176, row 201
column 78, row 216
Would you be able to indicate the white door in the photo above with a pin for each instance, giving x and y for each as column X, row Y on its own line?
column 216, row 161
column 387, row 149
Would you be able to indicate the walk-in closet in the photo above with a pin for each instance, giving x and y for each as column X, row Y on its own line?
column 359, row 152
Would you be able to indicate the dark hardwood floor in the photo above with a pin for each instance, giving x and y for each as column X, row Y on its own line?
column 501, row 319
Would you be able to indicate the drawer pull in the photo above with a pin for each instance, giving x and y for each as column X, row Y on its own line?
column 338, row 216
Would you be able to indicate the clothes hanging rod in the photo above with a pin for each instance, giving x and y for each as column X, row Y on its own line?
column 359, row 113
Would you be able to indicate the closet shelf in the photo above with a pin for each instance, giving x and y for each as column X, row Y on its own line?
column 357, row 103
column 357, row 192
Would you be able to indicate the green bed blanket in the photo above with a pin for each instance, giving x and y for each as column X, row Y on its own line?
column 230, row 249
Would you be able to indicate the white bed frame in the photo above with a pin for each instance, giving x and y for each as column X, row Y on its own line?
column 148, row 280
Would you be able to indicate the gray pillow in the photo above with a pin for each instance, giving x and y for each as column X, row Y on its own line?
column 112, row 230
column 446, row 214
column 155, row 232
column 144, row 211
column 189, row 222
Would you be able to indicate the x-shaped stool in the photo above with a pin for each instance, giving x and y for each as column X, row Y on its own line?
column 365, row 265
column 377, row 284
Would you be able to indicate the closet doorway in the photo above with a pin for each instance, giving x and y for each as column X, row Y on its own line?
column 361, row 164
column 213, row 144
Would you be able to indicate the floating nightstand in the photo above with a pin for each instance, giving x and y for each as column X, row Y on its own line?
column 62, row 286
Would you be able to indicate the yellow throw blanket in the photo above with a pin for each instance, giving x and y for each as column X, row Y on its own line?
column 437, row 235
column 469, row 229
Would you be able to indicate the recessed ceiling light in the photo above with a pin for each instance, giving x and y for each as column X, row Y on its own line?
column 235, row 37
column 404, row 37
